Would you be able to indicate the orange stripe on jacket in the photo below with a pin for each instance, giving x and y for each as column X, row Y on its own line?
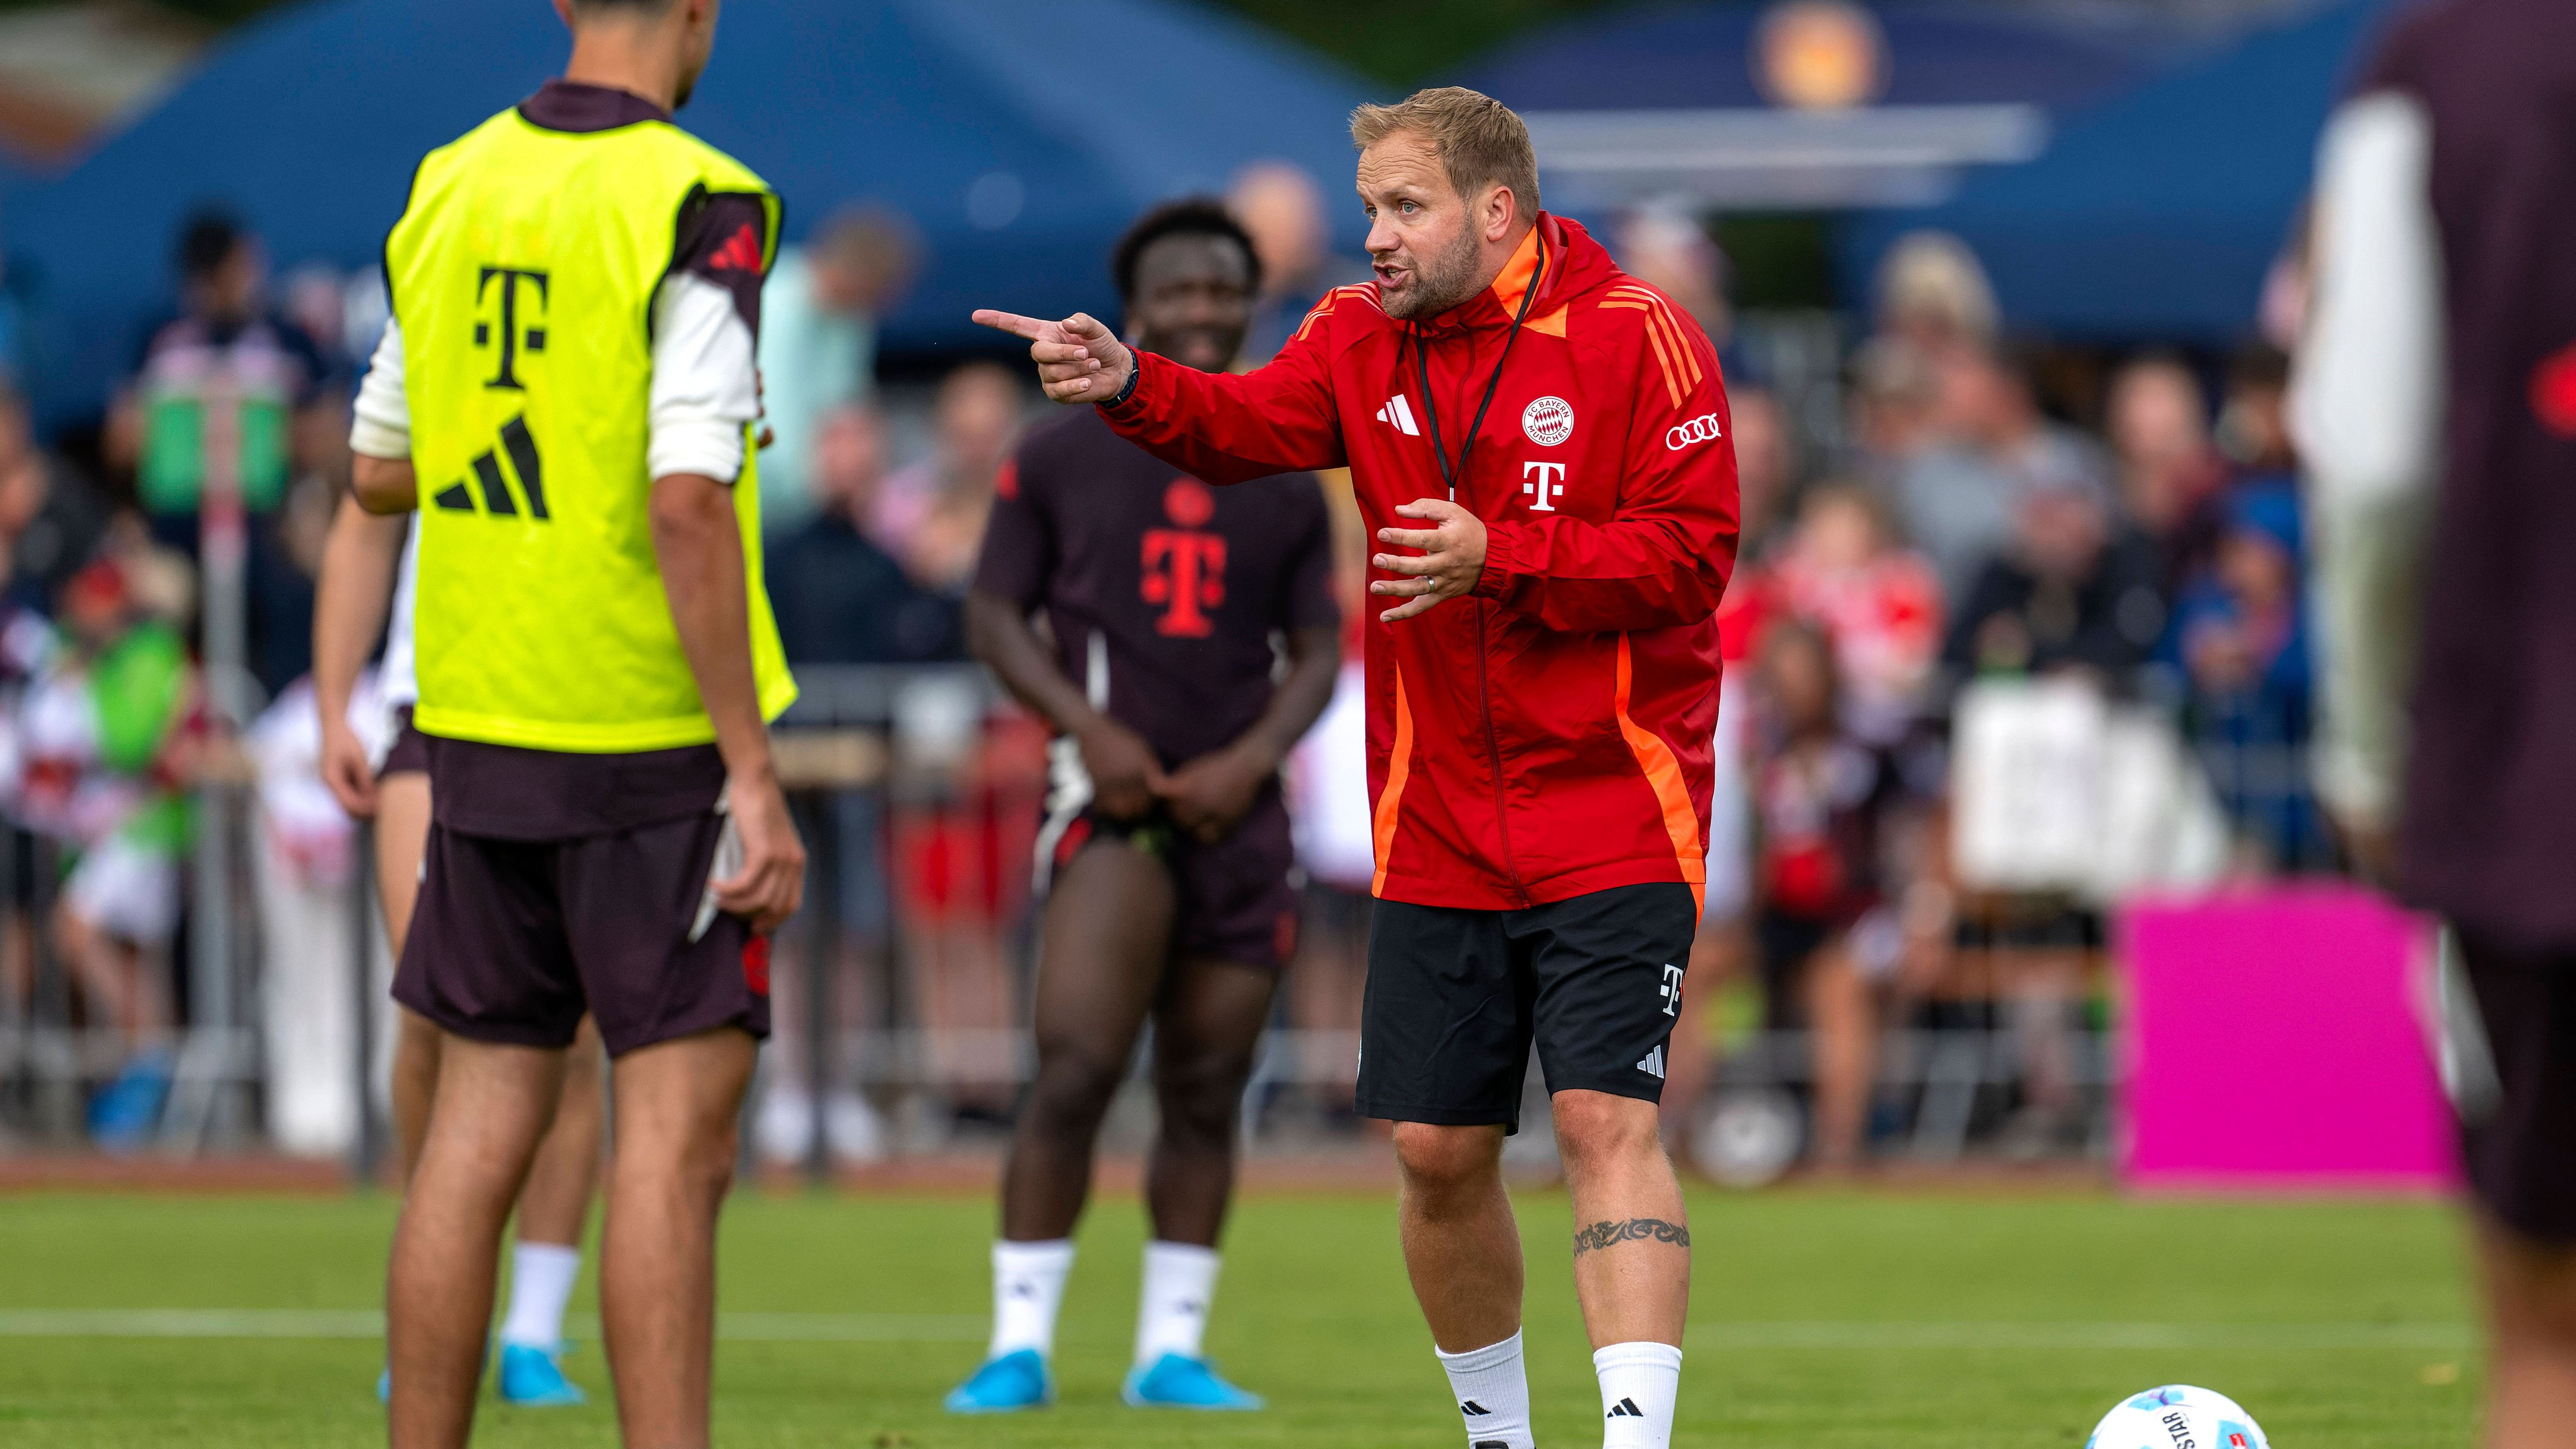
column 1399, row 765
column 1664, row 776
column 1655, row 339
column 1670, row 326
column 1663, row 321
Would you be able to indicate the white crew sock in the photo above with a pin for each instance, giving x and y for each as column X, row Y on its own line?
column 541, row 1279
column 1028, row 1288
column 1492, row 1388
column 1171, row 1317
column 1639, row 1382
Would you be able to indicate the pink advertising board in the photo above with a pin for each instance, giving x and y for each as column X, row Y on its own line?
column 2273, row 1041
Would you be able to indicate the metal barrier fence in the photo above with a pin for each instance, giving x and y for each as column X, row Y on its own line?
column 880, row 762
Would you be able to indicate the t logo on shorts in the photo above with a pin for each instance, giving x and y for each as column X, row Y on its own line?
column 1672, row 989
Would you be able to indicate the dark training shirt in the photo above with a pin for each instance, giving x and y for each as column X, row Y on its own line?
column 1162, row 591
column 2489, row 830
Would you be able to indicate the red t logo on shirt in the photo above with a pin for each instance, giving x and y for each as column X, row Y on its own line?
column 1184, row 568
column 1185, row 572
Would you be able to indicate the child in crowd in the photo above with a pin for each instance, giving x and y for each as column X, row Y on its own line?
column 106, row 733
column 1880, row 603
column 1821, row 792
column 2240, row 636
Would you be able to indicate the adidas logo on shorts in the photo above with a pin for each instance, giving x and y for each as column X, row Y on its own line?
column 1653, row 1065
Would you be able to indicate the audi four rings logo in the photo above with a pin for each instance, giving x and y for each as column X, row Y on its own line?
column 1698, row 430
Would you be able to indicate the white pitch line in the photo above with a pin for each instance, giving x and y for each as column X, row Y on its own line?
column 2025, row 1336
column 368, row 1323
column 1846, row 1334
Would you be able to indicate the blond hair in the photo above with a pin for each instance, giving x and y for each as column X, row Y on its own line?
column 1476, row 137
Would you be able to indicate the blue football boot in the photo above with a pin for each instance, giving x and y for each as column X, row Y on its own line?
column 1005, row 1385
column 533, row 1378
column 1177, row 1381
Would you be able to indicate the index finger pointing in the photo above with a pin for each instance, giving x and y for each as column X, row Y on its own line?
column 1013, row 323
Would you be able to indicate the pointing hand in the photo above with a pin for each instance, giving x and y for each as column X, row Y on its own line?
column 1078, row 359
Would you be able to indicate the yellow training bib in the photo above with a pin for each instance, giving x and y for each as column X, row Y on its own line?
column 523, row 275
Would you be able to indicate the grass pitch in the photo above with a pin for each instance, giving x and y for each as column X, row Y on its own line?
column 1819, row 1320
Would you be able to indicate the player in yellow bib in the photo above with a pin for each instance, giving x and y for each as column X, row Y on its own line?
column 566, row 395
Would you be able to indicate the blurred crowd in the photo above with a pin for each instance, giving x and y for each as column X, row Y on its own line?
column 1957, row 545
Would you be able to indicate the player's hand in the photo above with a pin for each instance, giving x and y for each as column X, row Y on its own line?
column 1452, row 558
column 1079, row 360
column 1209, row 796
column 346, row 770
column 771, row 883
column 1125, row 776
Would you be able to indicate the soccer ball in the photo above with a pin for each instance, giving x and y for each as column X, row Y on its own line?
column 2178, row 1416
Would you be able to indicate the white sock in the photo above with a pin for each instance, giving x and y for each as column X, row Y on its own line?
column 1028, row 1288
column 1639, row 1382
column 1180, row 1279
column 1492, row 1389
column 541, row 1279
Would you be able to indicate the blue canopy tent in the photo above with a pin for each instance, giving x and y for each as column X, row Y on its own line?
column 1703, row 55
column 1674, row 102
column 2156, row 215
column 1019, row 136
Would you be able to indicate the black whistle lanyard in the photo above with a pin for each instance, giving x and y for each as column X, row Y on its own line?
column 1431, row 410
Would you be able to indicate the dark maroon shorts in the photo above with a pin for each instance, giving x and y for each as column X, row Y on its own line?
column 2520, row 1139
column 1237, row 900
column 514, row 939
column 410, row 752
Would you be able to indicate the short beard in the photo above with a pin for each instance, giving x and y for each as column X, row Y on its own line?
column 1439, row 283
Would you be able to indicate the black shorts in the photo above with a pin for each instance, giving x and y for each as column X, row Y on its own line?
column 1238, row 899
column 2520, row 1147
column 409, row 753
column 1455, row 998
column 1787, row 944
column 514, row 939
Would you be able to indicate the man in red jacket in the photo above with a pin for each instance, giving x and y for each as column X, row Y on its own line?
column 1540, row 444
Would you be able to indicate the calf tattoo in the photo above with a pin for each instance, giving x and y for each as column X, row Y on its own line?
column 1634, row 1230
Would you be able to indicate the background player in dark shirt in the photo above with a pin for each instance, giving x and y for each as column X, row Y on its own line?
column 1166, row 842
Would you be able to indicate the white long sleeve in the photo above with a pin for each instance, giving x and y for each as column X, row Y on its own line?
column 2366, row 409
column 380, row 422
column 705, row 390
column 706, row 387
column 2366, row 403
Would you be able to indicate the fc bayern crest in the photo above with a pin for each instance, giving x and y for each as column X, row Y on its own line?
column 1548, row 421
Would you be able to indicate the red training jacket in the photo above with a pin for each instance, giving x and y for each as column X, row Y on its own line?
column 1549, row 735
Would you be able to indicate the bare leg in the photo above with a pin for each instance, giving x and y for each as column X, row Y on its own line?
column 677, row 1106
column 1631, row 1241
column 2044, row 983
column 493, row 1104
column 1844, row 1014
column 108, row 990
column 402, row 835
column 2531, row 1308
column 1102, row 947
column 1461, row 1247
column 557, row 1200
column 417, row 1046
column 1206, row 1030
